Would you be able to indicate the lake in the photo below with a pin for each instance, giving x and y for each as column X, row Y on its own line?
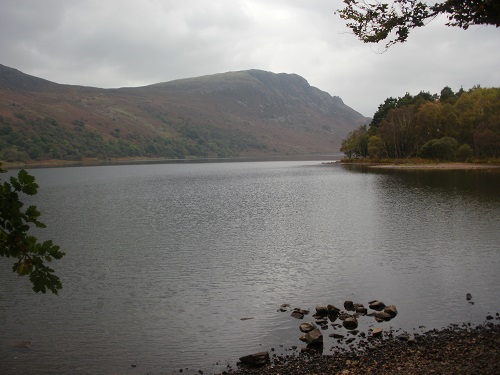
column 163, row 261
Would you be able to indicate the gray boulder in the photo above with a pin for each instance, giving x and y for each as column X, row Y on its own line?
column 391, row 310
column 382, row 316
column 376, row 305
column 361, row 310
column 350, row 323
column 256, row 359
column 332, row 310
column 349, row 305
column 321, row 310
column 307, row 327
column 314, row 337
column 344, row 316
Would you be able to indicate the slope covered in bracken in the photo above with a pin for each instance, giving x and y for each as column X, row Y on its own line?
column 245, row 113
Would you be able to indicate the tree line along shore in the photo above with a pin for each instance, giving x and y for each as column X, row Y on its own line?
column 451, row 126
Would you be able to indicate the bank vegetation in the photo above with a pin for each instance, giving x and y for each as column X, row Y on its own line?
column 428, row 128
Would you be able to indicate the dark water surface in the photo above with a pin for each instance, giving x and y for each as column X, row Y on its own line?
column 163, row 261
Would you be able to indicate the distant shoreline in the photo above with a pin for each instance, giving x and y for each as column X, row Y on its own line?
column 128, row 161
column 334, row 159
column 429, row 166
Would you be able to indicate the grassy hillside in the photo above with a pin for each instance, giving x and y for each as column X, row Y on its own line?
column 247, row 113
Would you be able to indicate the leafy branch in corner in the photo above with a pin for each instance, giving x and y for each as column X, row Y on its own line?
column 374, row 21
column 15, row 241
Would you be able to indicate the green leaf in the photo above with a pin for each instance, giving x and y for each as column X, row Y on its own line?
column 15, row 241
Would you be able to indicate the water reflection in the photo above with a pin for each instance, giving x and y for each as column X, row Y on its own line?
column 479, row 183
column 434, row 231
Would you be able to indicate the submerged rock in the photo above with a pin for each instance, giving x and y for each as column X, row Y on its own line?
column 336, row 335
column 297, row 315
column 22, row 344
column 284, row 307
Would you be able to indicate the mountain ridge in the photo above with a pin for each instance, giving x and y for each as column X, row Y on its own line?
column 241, row 113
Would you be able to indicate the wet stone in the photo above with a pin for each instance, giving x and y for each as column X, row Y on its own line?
column 349, row 305
column 376, row 305
column 314, row 337
column 307, row 327
column 256, row 359
column 391, row 310
column 377, row 332
column 350, row 323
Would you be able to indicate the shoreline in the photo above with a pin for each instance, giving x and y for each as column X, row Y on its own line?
column 464, row 349
column 56, row 163
column 429, row 166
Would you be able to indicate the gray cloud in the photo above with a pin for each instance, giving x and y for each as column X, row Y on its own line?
column 117, row 43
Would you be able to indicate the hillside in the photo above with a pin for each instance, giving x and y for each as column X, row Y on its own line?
column 245, row 113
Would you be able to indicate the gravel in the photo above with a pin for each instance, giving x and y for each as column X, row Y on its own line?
column 453, row 350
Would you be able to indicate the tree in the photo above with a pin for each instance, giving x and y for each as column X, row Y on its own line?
column 390, row 103
column 402, row 127
column 397, row 132
column 428, row 122
column 376, row 147
column 15, row 242
column 447, row 95
column 374, row 21
column 356, row 143
column 487, row 142
column 381, row 113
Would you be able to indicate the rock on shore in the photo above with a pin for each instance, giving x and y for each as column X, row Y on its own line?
column 454, row 350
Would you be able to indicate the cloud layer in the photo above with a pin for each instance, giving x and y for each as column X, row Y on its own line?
column 116, row 43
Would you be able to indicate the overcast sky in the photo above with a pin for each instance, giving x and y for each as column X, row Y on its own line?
column 116, row 43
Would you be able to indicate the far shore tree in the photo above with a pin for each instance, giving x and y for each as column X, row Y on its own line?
column 450, row 126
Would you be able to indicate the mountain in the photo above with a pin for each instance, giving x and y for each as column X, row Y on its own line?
column 244, row 113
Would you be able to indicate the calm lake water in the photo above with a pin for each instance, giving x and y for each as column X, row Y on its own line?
column 163, row 261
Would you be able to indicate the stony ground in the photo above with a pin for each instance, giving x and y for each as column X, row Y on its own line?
column 454, row 350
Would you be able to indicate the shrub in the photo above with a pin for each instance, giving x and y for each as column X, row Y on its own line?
column 464, row 153
column 442, row 149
